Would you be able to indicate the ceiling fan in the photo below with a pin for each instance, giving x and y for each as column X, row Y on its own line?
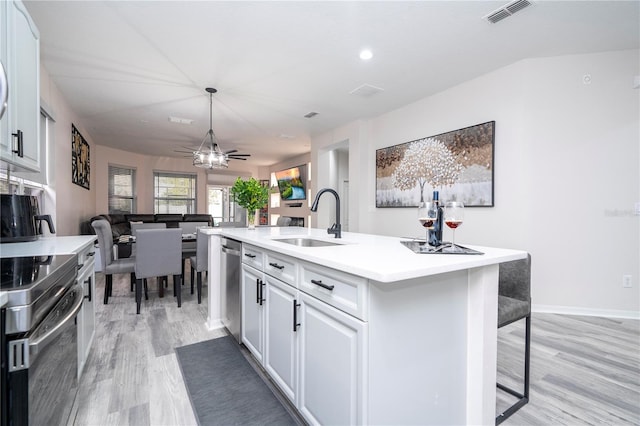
column 209, row 155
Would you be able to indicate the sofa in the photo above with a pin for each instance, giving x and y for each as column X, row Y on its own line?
column 121, row 223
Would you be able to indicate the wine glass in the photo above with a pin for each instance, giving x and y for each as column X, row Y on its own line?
column 453, row 217
column 427, row 215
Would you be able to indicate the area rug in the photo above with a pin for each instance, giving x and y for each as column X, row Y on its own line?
column 225, row 389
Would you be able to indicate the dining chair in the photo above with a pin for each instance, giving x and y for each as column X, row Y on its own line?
column 159, row 254
column 110, row 265
column 200, row 262
column 146, row 225
column 283, row 221
column 189, row 247
column 514, row 304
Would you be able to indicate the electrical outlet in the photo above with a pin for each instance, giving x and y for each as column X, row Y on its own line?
column 626, row 281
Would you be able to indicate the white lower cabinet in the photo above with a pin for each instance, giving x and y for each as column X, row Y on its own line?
column 332, row 346
column 251, row 293
column 281, row 336
column 86, row 317
column 313, row 351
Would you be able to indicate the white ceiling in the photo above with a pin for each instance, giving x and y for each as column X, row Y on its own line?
column 126, row 66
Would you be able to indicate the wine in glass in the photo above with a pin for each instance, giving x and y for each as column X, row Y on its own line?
column 453, row 217
column 427, row 215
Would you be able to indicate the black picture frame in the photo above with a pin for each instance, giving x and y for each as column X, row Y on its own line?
column 471, row 148
column 80, row 159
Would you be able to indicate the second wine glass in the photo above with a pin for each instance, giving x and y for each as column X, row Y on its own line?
column 427, row 215
column 453, row 217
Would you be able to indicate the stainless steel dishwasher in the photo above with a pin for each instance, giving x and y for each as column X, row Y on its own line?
column 231, row 286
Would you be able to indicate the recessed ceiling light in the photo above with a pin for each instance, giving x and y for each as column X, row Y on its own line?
column 366, row 54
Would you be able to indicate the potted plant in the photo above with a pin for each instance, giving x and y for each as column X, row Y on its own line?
column 251, row 195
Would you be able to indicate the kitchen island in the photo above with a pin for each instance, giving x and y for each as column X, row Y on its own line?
column 367, row 331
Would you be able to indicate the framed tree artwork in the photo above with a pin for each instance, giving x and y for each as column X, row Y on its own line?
column 458, row 164
column 80, row 159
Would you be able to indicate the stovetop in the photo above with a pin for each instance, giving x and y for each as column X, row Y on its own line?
column 19, row 273
column 33, row 285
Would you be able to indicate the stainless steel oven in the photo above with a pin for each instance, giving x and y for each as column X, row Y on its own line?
column 40, row 338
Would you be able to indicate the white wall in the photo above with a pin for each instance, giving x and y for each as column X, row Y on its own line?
column 74, row 204
column 567, row 176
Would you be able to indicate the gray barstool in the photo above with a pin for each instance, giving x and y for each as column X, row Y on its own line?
column 110, row 265
column 514, row 303
column 200, row 262
column 159, row 254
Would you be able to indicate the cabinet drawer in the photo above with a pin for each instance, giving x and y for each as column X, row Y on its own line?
column 252, row 256
column 341, row 290
column 282, row 267
column 86, row 259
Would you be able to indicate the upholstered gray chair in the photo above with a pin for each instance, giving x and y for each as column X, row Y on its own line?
column 189, row 247
column 200, row 262
column 144, row 225
column 159, row 254
column 514, row 303
column 283, row 221
column 110, row 265
column 151, row 225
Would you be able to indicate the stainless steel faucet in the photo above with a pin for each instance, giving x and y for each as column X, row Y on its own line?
column 336, row 228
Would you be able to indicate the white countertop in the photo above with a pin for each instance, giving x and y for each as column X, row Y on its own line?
column 47, row 246
column 375, row 257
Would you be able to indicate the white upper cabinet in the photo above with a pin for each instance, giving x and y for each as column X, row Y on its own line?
column 20, row 55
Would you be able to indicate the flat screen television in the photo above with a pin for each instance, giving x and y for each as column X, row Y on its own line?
column 291, row 184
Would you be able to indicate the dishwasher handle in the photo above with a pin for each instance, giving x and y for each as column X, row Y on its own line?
column 229, row 250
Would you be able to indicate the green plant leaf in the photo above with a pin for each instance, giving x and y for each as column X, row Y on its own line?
column 250, row 193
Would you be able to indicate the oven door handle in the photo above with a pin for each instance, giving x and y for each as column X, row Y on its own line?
column 56, row 321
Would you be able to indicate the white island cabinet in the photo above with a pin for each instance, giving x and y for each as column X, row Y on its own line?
column 83, row 246
column 368, row 332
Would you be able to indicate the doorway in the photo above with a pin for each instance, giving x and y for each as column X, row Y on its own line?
column 220, row 204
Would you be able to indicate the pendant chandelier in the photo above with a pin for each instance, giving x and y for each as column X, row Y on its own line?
column 209, row 155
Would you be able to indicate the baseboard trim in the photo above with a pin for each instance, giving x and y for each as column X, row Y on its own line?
column 592, row 312
column 214, row 324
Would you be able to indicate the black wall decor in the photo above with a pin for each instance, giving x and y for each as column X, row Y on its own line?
column 80, row 159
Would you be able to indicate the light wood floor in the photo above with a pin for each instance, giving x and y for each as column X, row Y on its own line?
column 584, row 370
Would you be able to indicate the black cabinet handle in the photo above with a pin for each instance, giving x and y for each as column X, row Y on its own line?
column 262, row 284
column 275, row 265
column 18, row 151
column 89, row 295
column 80, row 266
column 258, row 290
column 91, row 253
column 249, row 255
column 296, row 324
column 323, row 285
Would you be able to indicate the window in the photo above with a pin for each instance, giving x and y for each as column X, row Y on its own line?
column 10, row 184
column 122, row 198
column 174, row 193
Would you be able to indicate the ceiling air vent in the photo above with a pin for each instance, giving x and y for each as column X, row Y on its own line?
column 366, row 90
column 311, row 114
column 507, row 10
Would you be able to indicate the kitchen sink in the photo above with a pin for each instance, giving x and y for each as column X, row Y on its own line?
column 307, row 242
